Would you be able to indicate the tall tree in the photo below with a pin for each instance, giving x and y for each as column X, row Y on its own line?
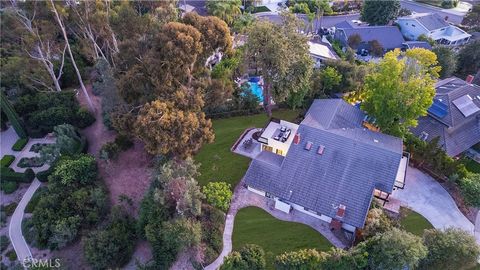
column 399, row 91
column 380, row 12
column 450, row 249
column 227, row 10
column 39, row 39
column 447, row 59
column 280, row 55
column 469, row 58
column 72, row 59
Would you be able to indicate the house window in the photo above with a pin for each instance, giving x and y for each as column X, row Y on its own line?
column 279, row 152
column 267, row 148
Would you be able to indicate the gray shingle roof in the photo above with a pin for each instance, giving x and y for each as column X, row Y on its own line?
column 354, row 162
column 388, row 36
column 431, row 21
column 457, row 133
column 418, row 44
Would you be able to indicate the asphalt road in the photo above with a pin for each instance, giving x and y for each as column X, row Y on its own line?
column 329, row 21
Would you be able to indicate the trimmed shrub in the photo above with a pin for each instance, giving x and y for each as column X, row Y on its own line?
column 35, row 199
column 109, row 151
column 20, row 144
column 8, row 186
column 7, row 174
column 30, row 162
column 9, row 208
column 123, row 142
column 4, row 242
column 43, row 175
column 7, row 160
column 84, row 118
column 11, row 255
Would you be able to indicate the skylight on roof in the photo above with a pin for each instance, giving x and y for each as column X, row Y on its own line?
column 466, row 106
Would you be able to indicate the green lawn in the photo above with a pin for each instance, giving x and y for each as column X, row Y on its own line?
column 217, row 162
column 471, row 165
column 414, row 223
column 255, row 226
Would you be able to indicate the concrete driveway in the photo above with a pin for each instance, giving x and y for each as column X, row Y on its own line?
column 426, row 196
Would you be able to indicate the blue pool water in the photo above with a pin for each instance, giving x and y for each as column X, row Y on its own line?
column 256, row 90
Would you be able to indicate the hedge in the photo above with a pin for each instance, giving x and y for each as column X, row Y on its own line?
column 9, row 208
column 8, row 186
column 20, row 144
column 43, row 175
column 8, row 174
column 7, row 160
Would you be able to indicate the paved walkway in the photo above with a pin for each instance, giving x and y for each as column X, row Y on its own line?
column 244, row 198
column 426, row 196
column 8, row 138
column 15, row 227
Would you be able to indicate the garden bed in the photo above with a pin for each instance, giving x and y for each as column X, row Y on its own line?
column 30, row 162
column 37, row 147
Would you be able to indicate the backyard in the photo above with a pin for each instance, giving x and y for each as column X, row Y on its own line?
column 414, row 223
column 218, row 163
column 255, row 226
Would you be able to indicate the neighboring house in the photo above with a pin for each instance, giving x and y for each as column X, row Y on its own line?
column 417, row 44
column 389, row 37
column 330, row 166
column 434, row 26
column 454, row 116
column 320, row 51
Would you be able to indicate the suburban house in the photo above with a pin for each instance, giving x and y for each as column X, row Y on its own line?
column 454, row 116
column 434, row 26
column 416, row 44
column 389, row 37
column 329, row 166
column 320, row 51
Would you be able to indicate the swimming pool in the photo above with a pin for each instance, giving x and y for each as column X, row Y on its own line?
column 256, row 90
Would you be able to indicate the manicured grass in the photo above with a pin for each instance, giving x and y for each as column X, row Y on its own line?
column 471, row 165
column 260, row 9
column 218, row 163
column 414, row 223
column 255, row 226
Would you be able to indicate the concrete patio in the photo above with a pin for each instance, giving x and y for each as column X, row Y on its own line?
column 252, row 150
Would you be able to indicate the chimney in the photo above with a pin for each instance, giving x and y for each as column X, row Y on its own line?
column 296, row 139
column 469, row 79
column 308, row 146
column 320, row 150
column 341, row 211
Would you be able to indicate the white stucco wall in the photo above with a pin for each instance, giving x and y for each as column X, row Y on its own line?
column 259, row 192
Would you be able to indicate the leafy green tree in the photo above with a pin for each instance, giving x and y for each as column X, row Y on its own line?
column 354, row 40
column 12, row 116
column 64, row 231
column 395, row 249
column 380, row 12
column 353, row 76
column 397, row 92
column 227, row 10
column 472, row 19
column 112, row 246
column 180, row 234
column 67, row 143
column 470, row 187
column 449, row 249
column 76, row 172
column 251, row 257
column 301, row 259
column 218, row 194
column 469, row 58
column 340, row 259
column 243, row 22
column 377, row 222
column 447, row 59
column 280, row 55
column 330, row 79
column 426, row 38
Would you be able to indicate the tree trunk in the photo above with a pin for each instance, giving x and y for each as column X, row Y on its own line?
column 80, row 80
column 266, row 99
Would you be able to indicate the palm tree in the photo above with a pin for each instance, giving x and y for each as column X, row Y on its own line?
column 227, row 10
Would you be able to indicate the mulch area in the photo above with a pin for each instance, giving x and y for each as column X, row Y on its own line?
column 129, row 174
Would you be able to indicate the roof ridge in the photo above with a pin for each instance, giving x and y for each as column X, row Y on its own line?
column 339, row 101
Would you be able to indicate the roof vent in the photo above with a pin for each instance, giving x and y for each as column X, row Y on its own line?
column 320, row 150
column 375, row 140
column 296, row 139
column 308, row 146
column 469, row 79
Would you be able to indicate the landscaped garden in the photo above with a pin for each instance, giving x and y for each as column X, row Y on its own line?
column 413, row 222
column 218, row 162
column 255, row 226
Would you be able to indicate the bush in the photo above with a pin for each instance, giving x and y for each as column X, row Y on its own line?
column 470, row 187
column 11, row 255
column 84, row 118
column 29, row 175
column 30, row 162
column 7, row 174
column 4, row 242
column 7, row 160
column 43, row 175
column 123, row 142
column 35, row 199
column 9, row 208
column 218, row 194
column 8, row 186
column 109, row 151
column 20, row 144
